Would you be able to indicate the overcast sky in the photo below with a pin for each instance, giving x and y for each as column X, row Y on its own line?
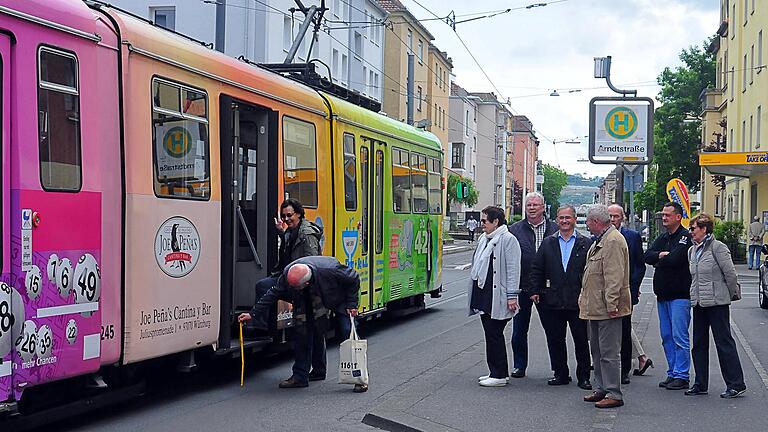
column 530, row 52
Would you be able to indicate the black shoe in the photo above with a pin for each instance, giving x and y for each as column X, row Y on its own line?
column 293, row 383
column 517, row 373
column 584, row 385
column 696, row 390
column 678, row 384
column 732, row 393
column 556, row 381
column 638, row 372
column 316, row 376
column 664, row 383
column 625, row 378
column 360, row 388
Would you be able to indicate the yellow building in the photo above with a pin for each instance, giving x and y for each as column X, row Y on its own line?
column 438, row 95
column 734, row 140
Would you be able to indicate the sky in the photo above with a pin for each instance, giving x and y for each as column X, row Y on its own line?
column 528, row 53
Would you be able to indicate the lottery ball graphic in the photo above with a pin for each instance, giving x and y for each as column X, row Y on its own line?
column 53, row 264
column 87, row 279
column 64, row 277
column 26, row 343
column 71, row 331
column 34, row 282
column 11, row 317
column 44, row 342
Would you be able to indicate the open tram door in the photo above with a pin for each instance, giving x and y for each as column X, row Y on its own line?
column 372, row 225
column 7, row 298
column 249, row 197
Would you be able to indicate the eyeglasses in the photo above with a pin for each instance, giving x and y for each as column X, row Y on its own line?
column 287, row 215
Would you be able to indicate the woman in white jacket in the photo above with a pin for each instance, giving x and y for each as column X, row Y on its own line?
column 494, row 289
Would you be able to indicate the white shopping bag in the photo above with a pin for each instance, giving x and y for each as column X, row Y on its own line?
column 353, row 359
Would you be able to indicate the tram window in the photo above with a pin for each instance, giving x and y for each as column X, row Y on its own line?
column 435, row 191
column 350, row 173
column 300, row 161
column 59, row 121
column 180, row 140
column 401, row 181
column 419, row 182
column 379, row 201
column 364, row 198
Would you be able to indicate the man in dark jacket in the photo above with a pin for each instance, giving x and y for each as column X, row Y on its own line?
column 672, row 284
column 636, row 274
column 530, row 232
column 310, row 282
column 298, row 238
column 555, row 287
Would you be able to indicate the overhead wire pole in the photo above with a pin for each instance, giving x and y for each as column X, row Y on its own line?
column 221, row 24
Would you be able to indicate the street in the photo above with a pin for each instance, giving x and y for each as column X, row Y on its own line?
column 424, row 370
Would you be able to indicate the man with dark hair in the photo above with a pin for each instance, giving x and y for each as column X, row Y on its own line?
column 530, row 232
column 555, row 287
column 310, row 282
column 671, row 283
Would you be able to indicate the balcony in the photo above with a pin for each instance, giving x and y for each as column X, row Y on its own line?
column 722, row 31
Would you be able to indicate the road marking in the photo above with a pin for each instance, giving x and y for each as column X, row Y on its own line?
column 450, row 248
column 463, row 266
column 751, row 354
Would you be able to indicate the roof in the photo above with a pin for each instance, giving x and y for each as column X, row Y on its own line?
column 393, row 6
column 442, row 54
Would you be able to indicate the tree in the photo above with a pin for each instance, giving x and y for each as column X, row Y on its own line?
column 470, row 199
column 555, row 180
column 677, row 139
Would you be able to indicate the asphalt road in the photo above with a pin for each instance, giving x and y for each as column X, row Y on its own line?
column 423, row 373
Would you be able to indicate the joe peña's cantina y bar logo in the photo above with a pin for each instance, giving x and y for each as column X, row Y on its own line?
column 177, row 246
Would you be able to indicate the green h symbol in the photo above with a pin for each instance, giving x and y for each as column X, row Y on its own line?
column 176, row 142
column 621, row 119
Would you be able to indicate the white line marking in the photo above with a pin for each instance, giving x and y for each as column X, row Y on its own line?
column 463, row 266
column 67, row 309
column 751, row 354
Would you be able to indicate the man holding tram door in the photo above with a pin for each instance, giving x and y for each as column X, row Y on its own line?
column 298, row 238
column 530, row 232
column 311, row 284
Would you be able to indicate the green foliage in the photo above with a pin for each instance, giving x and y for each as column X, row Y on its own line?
column 676, row 136
column 470, row 199
column 516, row 218
column 729, row 232
column 555, row 180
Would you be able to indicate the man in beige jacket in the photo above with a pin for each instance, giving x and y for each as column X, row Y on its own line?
column 603, row 301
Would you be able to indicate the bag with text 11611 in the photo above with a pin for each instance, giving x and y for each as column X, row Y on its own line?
column 353, row 359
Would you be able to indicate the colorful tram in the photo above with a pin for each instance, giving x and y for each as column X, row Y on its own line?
column 141, row 172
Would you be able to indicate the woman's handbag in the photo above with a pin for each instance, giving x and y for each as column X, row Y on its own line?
column 353, row 359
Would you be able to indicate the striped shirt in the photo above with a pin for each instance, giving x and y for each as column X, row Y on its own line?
column 539, row 231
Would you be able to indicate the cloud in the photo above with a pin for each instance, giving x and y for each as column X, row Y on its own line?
column 532, row 51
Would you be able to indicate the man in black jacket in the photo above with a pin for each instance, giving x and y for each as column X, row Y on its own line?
column 555, row 287
column 308, row 282
column 530, row 232
column 672, row 284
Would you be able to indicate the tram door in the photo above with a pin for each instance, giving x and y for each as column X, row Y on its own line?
column 249, row 155
column 7, row 319
column 372, row 224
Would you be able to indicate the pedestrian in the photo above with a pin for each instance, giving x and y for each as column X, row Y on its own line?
column 756, row 233
column 530, row 232
column 311, row 283
column 671, row 283
column 604, row 300
column 630, row 344
column 494, row 290
column 471, row 228
column 298, row 238
column 714, row 285
column 556, row 277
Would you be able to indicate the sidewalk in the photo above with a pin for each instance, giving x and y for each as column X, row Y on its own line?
column 439, row 390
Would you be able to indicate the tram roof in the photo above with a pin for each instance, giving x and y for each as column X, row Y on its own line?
column 355, row 114
column 160, row 42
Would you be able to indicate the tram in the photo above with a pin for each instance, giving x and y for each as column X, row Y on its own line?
column 141, row 172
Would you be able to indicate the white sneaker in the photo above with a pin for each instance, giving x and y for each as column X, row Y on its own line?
column 485, row 377
column 493, row 382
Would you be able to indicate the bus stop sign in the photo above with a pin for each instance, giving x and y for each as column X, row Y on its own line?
column 621, row 130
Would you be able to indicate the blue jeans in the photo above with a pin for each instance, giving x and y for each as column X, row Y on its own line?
column 754, row 250
column 674, row 320
column 520, row 324
column 309, row 346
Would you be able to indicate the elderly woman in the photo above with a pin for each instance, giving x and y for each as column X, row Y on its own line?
column 714, row 285
column 494, row 290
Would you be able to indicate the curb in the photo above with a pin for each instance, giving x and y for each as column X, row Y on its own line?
column 399, row 421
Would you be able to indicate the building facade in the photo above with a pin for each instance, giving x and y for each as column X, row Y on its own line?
column 439, row 93
column 461, row 154
column 351, row 44
column 493, row 139
column 524, row 154
column 733, row 116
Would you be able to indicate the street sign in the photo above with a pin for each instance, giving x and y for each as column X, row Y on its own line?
column 621, row 130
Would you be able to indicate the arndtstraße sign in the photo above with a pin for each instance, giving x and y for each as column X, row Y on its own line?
column 621, row 130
